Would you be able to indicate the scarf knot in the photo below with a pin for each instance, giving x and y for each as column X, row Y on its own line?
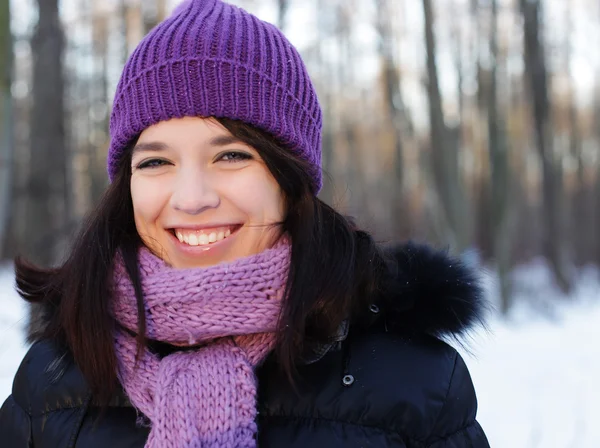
column 204, row 397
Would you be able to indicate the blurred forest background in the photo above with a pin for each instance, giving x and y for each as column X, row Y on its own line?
column 474, row 124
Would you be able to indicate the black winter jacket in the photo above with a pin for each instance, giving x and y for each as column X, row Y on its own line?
column 388, row 382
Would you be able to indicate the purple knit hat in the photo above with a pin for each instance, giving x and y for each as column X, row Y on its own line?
column 210, row 58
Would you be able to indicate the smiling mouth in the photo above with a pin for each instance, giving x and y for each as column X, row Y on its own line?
column 204, row 237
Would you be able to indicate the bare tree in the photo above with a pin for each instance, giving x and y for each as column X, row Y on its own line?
column 459, row 59
column 575, row 143
column 500, row 187
column 154, row 11
column 580, row 209
column 161, row 6
column 282, row 7
column 394, row 102
column 596, row 190
column 323, row 12
column 47, row 207
column 554, row 243
column 349, row 119
column 444, row 150
column 124, row 16
column 6, row 122
column 99, row 92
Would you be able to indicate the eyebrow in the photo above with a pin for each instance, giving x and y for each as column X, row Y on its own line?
column 150, row 146
column 224, row 140
column 221, row 140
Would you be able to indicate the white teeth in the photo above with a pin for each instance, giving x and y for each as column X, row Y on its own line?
column 201, row 239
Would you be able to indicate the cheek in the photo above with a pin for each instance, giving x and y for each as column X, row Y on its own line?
column 258, row 194
column 147, row 201
column 279, row 203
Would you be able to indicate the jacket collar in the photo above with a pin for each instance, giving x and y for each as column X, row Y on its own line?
column 316, row 352
column 428, row 292
column 432, row 292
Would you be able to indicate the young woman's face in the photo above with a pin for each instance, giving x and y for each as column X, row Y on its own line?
column 200, row 196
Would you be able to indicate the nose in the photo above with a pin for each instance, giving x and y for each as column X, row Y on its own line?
column 194, row 193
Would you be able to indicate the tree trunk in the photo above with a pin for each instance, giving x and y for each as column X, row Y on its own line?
column 444, row 150
column 459, row 60
column 328, row 140
column 162, row 10
column 396, row 111
column 350, row 119
column 6, row 125
column 47, row 208
column 153, row 12
column 596, row 190
column 554, row 244
column 580, row 207
column 282, row 7
column 99, row 97
column 500, row 172
column 596, row 187
column 124, row 19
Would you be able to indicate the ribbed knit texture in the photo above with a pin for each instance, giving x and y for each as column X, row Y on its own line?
column 210, row 58
column 203, row 397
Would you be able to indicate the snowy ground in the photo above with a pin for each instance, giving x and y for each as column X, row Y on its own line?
column 537, row 373
column 12, row 324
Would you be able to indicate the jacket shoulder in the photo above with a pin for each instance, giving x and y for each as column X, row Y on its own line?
column 415, row 389
column 418, row 386
column 48, row 380
column 51, row 405
column 431, row 297
column 394, row 374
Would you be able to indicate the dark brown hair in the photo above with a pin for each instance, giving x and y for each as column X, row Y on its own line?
column 335, row 270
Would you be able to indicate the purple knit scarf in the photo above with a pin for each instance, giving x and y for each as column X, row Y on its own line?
column 204, row 397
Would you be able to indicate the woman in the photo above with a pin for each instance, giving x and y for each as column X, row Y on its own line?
column 211, row 300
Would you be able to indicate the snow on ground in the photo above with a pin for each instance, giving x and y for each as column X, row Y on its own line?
column 12, row 325
column 536, row 373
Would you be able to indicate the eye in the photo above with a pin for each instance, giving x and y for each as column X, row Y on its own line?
column 233, row 156
column 151, row 163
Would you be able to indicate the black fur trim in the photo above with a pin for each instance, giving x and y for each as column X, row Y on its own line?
column 431, row 292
